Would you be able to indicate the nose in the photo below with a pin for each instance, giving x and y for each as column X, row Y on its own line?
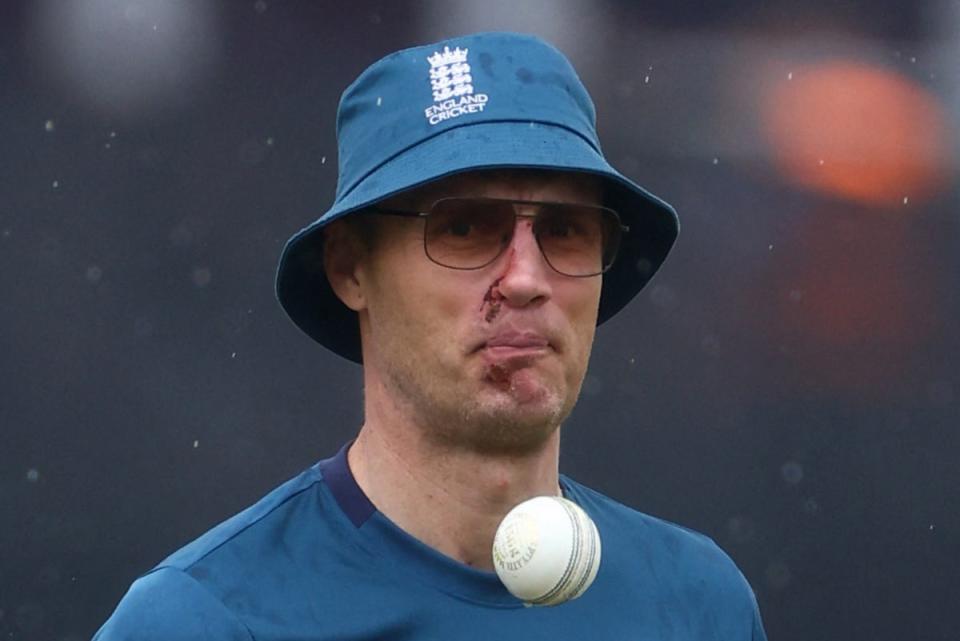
column 526, row 276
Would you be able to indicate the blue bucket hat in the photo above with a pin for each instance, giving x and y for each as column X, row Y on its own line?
column 482, row 101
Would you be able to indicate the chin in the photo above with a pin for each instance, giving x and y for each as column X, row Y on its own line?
column 508, row 438
column 495, row 424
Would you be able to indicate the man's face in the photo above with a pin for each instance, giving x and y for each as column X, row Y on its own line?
column 492, row 359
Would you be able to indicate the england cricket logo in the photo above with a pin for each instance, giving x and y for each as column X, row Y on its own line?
column 452, row 86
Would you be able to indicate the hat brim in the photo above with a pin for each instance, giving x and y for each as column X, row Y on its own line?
column 306, row 295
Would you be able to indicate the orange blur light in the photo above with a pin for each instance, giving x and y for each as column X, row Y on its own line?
column 856, row 298
column 859, row 132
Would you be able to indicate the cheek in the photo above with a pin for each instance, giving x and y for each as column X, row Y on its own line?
column 420, row 311
column 584, row 308
column 591, row 299
column 580, row 297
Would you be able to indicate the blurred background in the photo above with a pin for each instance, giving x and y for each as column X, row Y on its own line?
column 788, row 383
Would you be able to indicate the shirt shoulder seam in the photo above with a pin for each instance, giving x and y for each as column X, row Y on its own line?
column 244, row 528
column 206, row 590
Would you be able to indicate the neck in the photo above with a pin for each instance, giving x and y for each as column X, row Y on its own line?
column 449, row 498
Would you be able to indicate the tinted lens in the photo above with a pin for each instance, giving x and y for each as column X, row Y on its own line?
column 466, row 233
column 578, row 240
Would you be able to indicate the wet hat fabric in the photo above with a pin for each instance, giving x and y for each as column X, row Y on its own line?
column 482, row 101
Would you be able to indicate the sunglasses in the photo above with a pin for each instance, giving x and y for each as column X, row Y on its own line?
column 470, row 233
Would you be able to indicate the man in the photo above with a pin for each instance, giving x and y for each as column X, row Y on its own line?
column 477, row 238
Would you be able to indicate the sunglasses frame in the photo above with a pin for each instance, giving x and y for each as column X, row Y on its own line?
column 377, row 209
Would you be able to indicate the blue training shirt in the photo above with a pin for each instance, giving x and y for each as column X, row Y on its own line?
column 315, row 560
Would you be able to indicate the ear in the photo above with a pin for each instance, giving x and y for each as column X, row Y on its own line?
column 343, row 256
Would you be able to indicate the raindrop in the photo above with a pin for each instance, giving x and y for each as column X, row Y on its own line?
column 106, row 145
column 201, row 276
column 113, row 134
column 196, row 444
column 259, row 6
column 6, row 233
column 270, row 141
column 792, row 472
column 906, row 199
column 913, row 59
column 323, row 160
column 646, row 80
column 49, row 125
column 716, row 161
column 769, row 247
column 790, row 76
column 379, row 100
column 94, row 274
column 820, row 162
column 632, row 360
column 234, row 355
column 931, row 527
column 56, row 184
column 33, row 475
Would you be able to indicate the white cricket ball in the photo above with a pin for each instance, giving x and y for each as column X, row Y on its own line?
column 546, row 551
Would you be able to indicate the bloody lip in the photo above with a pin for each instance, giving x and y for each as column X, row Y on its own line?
column 511, row 339
column 512, row 351
column 501, row 360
